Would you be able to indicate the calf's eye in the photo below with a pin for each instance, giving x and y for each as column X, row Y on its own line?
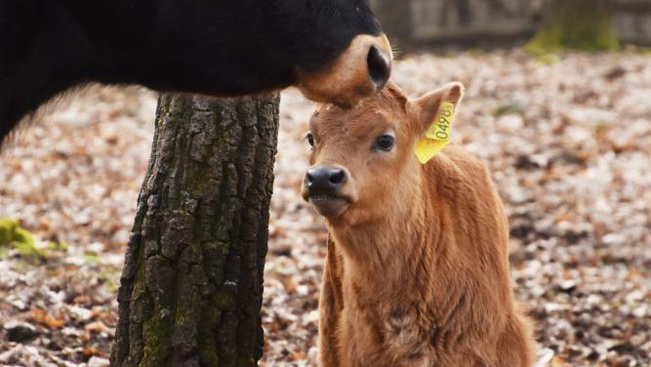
column 310, row 139
column 385, row 142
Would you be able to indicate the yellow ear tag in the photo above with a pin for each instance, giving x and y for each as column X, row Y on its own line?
column 438, row 134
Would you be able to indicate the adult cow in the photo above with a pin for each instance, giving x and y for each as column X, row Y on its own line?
column 333, row 50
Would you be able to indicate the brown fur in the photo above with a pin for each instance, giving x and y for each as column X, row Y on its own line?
column 417, row 271
column 347, row 81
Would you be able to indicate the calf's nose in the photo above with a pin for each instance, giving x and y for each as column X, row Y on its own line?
column 325, row 180
column 379, row 66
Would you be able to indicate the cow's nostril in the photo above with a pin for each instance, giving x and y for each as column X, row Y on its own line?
column 337, row 177
column 309, row 178
column 379, row 67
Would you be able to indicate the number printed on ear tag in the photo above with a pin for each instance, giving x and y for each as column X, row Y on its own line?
column 437, row 135
column 441, row 127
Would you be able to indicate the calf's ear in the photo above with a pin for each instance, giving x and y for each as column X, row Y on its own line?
column 428, row 106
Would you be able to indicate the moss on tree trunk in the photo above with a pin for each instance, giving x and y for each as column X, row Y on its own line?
column 575, row 24
column 191, row 288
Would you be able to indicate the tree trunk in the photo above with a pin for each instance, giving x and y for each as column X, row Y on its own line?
column 191, row 288
column 575, row 24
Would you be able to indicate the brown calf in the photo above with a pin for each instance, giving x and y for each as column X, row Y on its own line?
column 417, row 272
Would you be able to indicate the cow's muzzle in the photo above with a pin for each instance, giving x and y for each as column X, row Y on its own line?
column 361, row 70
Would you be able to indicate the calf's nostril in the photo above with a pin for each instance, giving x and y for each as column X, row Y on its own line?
column 337, row 177
column 309, row 178
column 379, row 67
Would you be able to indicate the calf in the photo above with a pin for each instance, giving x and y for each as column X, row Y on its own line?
column 417, row 271
column 333, row 50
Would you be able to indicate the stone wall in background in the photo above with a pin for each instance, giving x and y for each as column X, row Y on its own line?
column 461, row 20
column 633, row 21
column 476, row 21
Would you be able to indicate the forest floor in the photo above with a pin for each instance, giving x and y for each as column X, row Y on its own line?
column 567, row 138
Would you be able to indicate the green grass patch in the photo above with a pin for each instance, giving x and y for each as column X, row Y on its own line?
column 509, row 109
column 91, row 258
column 12, row 236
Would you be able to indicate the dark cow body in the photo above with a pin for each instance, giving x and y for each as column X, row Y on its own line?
column 214, row 47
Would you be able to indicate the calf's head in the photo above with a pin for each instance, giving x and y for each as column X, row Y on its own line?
column 363, row 161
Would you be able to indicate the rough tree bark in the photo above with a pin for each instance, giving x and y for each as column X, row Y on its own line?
column 191, row 288
column 575, row 24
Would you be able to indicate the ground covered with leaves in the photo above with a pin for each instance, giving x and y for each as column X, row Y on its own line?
column 568, row 140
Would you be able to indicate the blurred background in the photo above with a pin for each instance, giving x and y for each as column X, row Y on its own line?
column 558, row 105
column 581, row 24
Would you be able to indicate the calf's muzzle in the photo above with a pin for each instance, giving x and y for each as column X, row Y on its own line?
column 326, row 188
column 324, row 181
